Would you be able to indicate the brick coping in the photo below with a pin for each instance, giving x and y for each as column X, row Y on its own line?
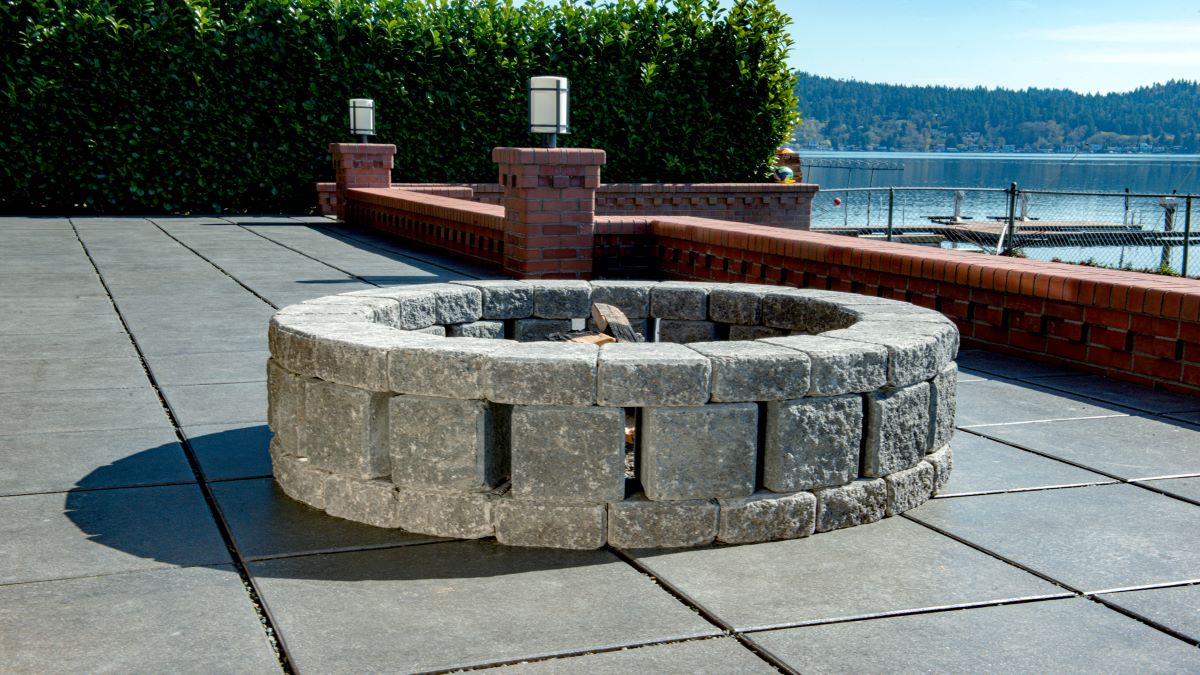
column 381, row 419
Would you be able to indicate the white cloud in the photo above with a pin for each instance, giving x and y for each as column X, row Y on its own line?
column 1158, row 32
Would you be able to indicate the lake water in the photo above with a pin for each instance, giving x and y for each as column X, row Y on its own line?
column 974, row 183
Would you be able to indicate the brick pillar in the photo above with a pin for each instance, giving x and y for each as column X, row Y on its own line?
column 549, row 210
column 360, row 165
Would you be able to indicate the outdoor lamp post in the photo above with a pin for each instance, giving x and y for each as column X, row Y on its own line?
column 362, row 118
column 548, row 107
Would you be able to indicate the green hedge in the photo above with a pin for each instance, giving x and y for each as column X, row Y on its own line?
column 211, row 105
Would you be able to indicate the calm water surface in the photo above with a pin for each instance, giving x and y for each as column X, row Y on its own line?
column 981, row 178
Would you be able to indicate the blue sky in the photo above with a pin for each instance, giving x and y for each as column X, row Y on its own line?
column 1087, row 46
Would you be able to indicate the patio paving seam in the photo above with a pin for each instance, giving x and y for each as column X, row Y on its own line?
column 252, row 594
column 750, row 632
column 196, row 253
column 1040, row 488
column 1116, row 480
column 997, row 556
column 302, row 253
column 1145, row 620
column 101, row 488
column 484, row 667
column 700, row 609
column 1051, row 419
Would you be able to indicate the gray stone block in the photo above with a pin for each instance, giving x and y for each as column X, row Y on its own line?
column 737, row 303
column 699, row 452
column 942, row 462
column 370, row 501
column 437, row 330
column 680, row 300
column 631, row 297
column 538, row 330
column 285, row 406
column 344, row 430
column 797, row 309
column 641, row 523
column 812, row 442
column 896, row 432
column 491, row 330
column 417, row 304
column 458, row 304
column 755, row 371
column 543, row 373
column 385, row 311
column 568, row 452
column 444, row 443
column 503, row 299
column 912, row 356
column 943, row 392
column 451, row 368
column 537, row 523
column 738, row 332
column 909, row 488
column 767, row 517
column 859, row 503
column 458, row 515
column 298, row 478
column 559, row 299
column 651, row 374
column 354, row 354
column 839, row 366
column 681, row 331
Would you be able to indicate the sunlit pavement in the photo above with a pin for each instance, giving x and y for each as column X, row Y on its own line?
column 140, row 530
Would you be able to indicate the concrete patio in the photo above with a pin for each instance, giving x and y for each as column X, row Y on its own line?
column 140, row 529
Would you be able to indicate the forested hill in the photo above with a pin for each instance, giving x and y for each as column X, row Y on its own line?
column 850, row 115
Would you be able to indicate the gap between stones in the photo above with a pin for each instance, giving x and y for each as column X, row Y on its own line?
column 274, row 639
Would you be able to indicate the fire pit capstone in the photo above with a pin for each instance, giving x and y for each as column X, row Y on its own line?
column 762, row 412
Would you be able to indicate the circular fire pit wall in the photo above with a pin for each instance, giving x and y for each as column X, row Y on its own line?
column 758, row 412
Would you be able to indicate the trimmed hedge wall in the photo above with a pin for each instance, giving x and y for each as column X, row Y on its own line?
column 212, row 105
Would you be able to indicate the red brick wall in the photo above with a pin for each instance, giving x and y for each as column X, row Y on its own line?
column 781, row 204
column 472, row 230
column 1133, row 326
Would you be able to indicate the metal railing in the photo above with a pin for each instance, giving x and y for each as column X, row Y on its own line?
column 1121, row 230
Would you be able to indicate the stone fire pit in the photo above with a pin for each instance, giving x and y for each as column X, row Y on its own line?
column 760, row 412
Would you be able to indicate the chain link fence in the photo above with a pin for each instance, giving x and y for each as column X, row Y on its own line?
column 1143, row 232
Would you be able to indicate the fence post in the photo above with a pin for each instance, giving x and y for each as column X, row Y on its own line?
column 1168, row 207
column 1004, row 243
column 891, row 208
column 1187, row 232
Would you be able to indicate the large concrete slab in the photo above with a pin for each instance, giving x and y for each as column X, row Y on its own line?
column 1127, row 447
column 266, row 523
column 1009, row 366
column 92, row 532
column 101, row 344
column 1176, row 608
column 228, row 451
column 196, row 404
column 1055, row 636
column 1187, row 488
column 209, row 368
column 1088, row 538
column 1124, row 393
column 890, row 566
column 61, row 461
column 197, row 619
column 80, row 410
column 1002, row 402
column 984, row 465
column 57, row 374
column 460, row 604
column 711, row 655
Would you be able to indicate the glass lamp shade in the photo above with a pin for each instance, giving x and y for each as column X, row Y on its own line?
column 548, row 105
column 362, row 117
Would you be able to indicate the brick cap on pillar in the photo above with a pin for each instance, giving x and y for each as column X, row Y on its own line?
column 559, row 156
column 362, row 149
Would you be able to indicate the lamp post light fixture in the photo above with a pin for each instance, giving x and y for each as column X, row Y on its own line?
column 362, row 118
column 548, row 107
